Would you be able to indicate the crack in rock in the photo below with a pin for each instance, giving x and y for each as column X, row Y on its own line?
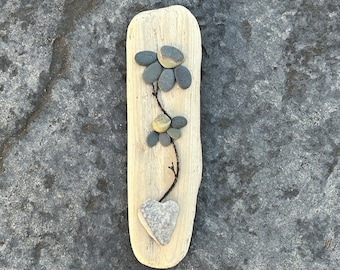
column 58, row 67
column 72, row 12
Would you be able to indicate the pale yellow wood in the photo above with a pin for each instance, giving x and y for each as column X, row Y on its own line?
column 148, row 173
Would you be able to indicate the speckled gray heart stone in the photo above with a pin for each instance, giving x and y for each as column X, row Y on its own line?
column 159, row 219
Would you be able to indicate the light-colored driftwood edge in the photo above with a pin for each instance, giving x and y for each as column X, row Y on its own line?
column 148, row 172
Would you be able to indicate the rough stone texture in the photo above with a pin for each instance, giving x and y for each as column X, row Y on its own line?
column 270, row 190
column 160, row 219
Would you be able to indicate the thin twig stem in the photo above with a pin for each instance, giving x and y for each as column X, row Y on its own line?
column 155, row 94
column 172, row 167
column 176, row 172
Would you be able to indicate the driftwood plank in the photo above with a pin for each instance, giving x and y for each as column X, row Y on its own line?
column 148, row 174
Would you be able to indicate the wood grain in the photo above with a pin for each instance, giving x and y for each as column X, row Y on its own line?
column 148, row 172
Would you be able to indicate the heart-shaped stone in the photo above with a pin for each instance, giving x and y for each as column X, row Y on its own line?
column 159, row 219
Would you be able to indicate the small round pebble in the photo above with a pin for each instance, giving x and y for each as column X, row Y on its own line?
column 166, row 80
column 174, row 133
column 183, row 77
column 170, row 57
column 152, row 72
column 178, row 122
column 164, row 139
column 161, row 123
column 152, row 139
column 145, row 58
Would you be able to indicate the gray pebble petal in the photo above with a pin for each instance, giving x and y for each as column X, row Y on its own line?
column 152, row 139
column 183, row 77
column 145, row 58
column 170, row 57
column 174, row 133
column 164, row 139
column 152, row 72
column 178, row 122
column 166, row 80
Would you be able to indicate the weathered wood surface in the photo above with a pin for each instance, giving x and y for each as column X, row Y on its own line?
column 148, row 172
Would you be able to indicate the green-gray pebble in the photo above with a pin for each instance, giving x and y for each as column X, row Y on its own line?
column 174, row 133
column 166, row 80
column 178, row 122
column 152, row 72
column 183, row 77
column 164, row 139
column 170, row 57
column 145, row 58
column 152, row 139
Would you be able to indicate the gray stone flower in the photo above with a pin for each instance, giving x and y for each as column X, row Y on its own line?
column 165, row 130
column 165, row 68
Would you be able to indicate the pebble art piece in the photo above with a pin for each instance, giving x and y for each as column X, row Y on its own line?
column 164, row 67
column 163, row 70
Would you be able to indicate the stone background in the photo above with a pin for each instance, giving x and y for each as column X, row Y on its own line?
column 270, row 121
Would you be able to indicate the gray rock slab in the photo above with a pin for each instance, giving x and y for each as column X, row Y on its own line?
column 270, row 125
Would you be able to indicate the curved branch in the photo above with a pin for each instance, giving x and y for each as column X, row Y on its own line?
column 172, row 167
column 176, row 172
column 155, row 94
